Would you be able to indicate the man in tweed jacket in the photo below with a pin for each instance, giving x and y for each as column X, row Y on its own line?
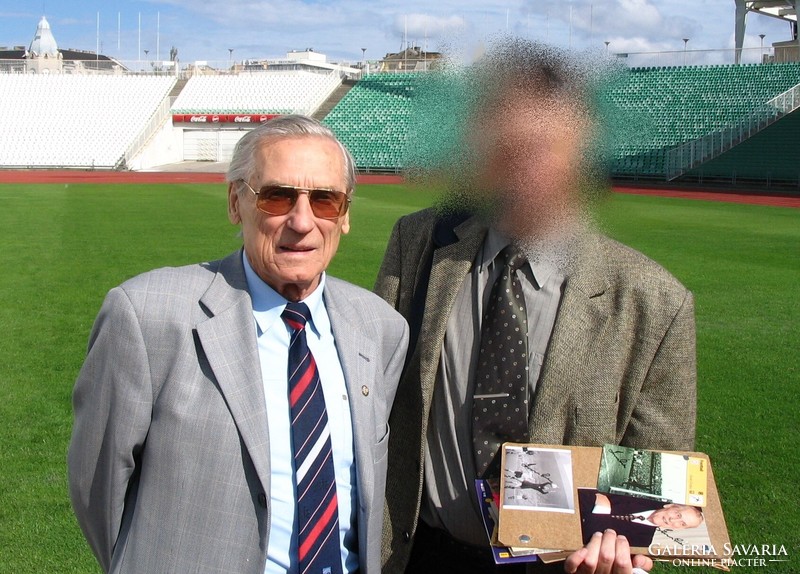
column 617, row 367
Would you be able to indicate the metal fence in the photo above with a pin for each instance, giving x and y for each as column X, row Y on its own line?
column 685, row 57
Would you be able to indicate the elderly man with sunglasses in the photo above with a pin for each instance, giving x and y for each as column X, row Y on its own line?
column 232, row 416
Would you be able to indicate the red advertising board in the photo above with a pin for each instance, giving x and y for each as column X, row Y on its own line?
column 221, row 118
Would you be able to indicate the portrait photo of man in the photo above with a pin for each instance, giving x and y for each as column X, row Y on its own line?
column 641, row 520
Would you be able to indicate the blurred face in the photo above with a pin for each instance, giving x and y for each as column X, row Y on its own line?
column 290, row 252
column 529, row 152
column 676, row 517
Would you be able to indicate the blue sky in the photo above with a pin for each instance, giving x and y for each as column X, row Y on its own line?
column 207, row 30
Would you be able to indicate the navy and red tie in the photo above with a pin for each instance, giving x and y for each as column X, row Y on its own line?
column 317, row 507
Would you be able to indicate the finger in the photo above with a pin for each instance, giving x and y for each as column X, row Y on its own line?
column 574, row 560
column 643, row 563
column 622, row 555
column 585, row 559
column 608, row 551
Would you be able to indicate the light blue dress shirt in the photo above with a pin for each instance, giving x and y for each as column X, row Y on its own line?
column 273, row 351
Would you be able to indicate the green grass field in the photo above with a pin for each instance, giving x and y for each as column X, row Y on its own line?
column 64, row 247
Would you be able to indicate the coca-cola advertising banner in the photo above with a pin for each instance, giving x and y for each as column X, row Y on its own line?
column 221, row 118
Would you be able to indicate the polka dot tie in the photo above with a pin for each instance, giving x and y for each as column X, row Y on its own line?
column 500, row 401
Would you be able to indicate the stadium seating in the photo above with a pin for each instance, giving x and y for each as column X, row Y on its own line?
column 650, row 110
column 74, row 120
column 269, row 92
column 659, row 108
column 90, row 120
column 372, row 120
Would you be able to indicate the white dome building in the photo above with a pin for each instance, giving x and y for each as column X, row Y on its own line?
column 43, row 55
column 43, row 43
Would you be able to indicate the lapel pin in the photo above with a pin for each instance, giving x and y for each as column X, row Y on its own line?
column 364, row 390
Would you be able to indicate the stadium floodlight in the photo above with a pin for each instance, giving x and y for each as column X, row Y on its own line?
column 363, row 60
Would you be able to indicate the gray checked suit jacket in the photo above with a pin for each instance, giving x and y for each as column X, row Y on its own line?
column 620, row 365
column 169, row 458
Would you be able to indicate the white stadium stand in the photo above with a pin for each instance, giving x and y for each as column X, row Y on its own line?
column 69, row 120
column 276, row 92
column 122, row 121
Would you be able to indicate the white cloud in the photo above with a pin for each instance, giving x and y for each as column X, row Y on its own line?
column 341, row 28
column 428, row 26
column 639, row 12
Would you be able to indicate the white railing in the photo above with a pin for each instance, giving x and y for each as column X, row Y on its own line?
column 788, row 101
column 683, row 158
column 170, row 68
column 677, row 57
column 156, row 121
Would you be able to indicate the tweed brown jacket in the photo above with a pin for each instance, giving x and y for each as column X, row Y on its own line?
column 620, row 365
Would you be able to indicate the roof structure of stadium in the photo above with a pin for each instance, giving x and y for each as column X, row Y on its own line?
column 782, row 9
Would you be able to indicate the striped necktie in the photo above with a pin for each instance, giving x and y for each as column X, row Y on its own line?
column 500, row 400
column 317, row 508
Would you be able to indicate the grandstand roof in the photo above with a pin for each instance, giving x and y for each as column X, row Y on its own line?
column 785, row 9
column 18, row 53
column 782, row 9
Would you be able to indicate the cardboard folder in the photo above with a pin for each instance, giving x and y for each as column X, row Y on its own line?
column 540, row 506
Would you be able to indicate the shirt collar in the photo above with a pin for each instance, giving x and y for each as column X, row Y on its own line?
column 495, row 242
column 268, row 304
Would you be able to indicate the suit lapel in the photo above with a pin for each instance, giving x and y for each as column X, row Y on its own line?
column 359, row 359
column 580, row 324
column 451, row 263
column 583, row 317
column 228, row 339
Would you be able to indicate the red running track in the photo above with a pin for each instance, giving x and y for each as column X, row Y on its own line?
column 720, row 195
column 78, row 176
